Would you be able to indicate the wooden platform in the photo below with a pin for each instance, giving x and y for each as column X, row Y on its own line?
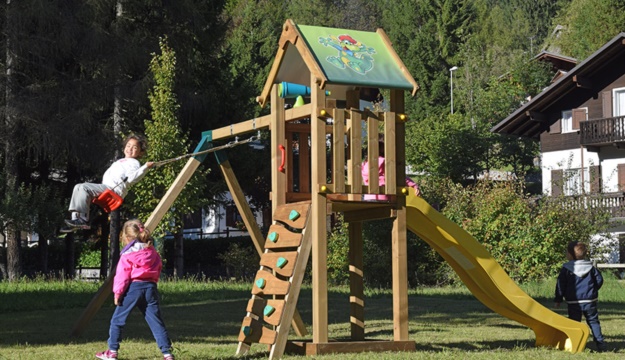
column 342, row 347
column 355, row 207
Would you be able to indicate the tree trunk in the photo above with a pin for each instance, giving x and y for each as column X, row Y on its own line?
column 178, row 254
column 3, row 263
column 69, row 256
column 43, row 254
column 103, row 226
column 14, row 269
column 115, row 229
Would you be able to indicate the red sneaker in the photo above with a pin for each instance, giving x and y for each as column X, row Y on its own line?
column 106, row 355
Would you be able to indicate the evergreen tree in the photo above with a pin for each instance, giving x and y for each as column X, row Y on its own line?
column 588, row 25
column 166, row 140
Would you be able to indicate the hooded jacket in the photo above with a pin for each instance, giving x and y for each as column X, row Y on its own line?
column 138, row 262
column 124, row 173
column 578, row 283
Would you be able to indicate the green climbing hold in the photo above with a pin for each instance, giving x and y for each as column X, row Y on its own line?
column 281, row 262
column 273, row 236
column 261, row 283
column 247, row 330
column 269, row 310
column 294, row 215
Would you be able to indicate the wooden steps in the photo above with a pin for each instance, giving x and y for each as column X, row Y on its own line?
column 278, row 281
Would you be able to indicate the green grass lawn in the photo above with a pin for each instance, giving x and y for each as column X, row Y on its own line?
column 204, row 318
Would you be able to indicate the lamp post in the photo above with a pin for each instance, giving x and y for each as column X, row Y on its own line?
column 451, row 86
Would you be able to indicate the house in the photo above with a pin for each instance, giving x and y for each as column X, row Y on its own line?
column 580, row 123
column 221, row 220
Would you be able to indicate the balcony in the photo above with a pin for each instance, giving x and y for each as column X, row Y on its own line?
column 614, row 203
column 601, row 132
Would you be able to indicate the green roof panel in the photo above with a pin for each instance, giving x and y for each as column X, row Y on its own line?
column 354, row 57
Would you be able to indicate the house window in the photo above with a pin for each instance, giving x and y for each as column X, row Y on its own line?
column 233, row 218
column 567, row 121
column 619, row 102
column 573, row 182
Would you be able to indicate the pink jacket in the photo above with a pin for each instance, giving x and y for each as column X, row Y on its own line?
column 137, row 262
column 365, row 174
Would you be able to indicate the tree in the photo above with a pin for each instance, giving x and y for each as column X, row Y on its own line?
column 427, row 35
column 252, row 40
column 588, row 25
column 166, row 141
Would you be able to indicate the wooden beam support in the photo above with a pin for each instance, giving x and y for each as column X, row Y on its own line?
column 583, row 82
column 399, row 236
column 356, row 282
column 318, row 219
column 278, row 139
column 536, row 116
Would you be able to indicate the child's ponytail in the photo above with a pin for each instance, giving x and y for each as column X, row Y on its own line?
column 134, row 229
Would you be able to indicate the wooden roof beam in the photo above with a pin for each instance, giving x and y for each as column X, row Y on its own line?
column 536, row 116
column 582, row 82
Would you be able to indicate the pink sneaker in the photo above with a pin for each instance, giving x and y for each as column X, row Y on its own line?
column 106, row 355
column 168, row 357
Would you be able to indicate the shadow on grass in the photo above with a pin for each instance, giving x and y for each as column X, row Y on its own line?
column 214, row 317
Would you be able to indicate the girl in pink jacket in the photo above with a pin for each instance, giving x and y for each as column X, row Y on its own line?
column 134, row 285
column 381, row 177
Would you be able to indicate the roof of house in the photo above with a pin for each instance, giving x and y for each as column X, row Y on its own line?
column 568, row 92
column 558, row 61
column 336, row 57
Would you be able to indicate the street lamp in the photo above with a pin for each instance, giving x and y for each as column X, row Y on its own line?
column 451, row 86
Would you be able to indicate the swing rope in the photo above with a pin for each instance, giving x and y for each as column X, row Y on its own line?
column 231, row 144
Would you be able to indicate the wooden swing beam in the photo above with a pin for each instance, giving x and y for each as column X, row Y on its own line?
column 168, row 199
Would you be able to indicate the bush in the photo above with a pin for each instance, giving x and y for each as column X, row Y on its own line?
column 526, row 236
column 88, row 255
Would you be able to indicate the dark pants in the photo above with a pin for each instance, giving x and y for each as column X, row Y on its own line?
column 143, row 295
column 589, row 310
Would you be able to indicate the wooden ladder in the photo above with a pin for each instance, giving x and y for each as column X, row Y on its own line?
column 278, row 281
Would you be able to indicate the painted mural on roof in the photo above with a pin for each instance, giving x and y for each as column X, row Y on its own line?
column 351, row 53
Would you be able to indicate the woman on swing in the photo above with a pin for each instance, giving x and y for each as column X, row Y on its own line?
column 122, row 174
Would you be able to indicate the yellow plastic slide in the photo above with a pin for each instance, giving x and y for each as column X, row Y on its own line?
column 489, row 282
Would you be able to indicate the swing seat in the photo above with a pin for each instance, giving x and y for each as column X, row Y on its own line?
column 108, row 200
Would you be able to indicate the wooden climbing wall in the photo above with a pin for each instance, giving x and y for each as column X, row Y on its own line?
column 278, row 281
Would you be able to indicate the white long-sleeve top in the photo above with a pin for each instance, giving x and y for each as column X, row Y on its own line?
column 128, row 168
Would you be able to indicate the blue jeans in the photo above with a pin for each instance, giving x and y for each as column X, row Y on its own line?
column 143, row 295
column 589, row 310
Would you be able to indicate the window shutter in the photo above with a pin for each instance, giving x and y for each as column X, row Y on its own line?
column 606, row 99
column 556, row 182
column 578, row 115
column 595, row 179
column 621, row 176
column 231, row 216
column 556, row 127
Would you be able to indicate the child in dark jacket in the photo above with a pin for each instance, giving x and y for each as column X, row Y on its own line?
column 578, row 284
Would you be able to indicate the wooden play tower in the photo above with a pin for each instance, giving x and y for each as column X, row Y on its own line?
column 316, row 158
column 316, row 150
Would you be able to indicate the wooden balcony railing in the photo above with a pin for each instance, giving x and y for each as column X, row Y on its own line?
column 614, row 203
column 602, row 131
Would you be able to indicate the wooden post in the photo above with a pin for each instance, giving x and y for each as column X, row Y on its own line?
column 338, row 150
column 399, row 237
column 278, row 178
column 356, row 284
column 354, row 176
column 318, row 220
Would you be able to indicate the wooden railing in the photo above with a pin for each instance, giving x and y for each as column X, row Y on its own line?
column 602, row 131
column 345, row 155
column 612, row 202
